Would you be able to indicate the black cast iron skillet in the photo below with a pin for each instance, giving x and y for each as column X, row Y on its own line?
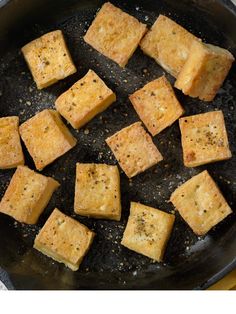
column 191, row 262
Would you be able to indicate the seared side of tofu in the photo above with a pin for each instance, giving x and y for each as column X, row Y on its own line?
column 27, row 195
column 11, row 154
column 48, row 59
column 64, row 239
column 200, row 203
column 84, row 100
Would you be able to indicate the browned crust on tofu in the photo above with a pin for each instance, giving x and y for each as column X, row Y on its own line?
column 204, row 71
column 200, row 203
column 157, row 105
column 97, row 191
column 134, row 149
column 204, row 139
column 115, row 33
column 27, row 195
column 85, row 99
column 46, row 137
column 168, row 43
column 64, row 239
column 49, row 59
column 147, row 231
column 11, row 154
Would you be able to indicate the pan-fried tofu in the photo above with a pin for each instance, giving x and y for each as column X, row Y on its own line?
column 115, row 34
column 46, row 137
column 64, row 239
column 148, row 231
column 204, row 138
column 48, row 59
column 11, row 154
column 97, row 191
column 200, row 203
column 156, row 105
column 84, row 100
column 134, row 149
column 168, row 43
column 204, row 71
column 27, row 195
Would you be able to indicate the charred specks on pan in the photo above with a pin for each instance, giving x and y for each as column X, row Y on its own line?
column 108, row 263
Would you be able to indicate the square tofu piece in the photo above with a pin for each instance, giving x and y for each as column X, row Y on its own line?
column 115, row 34
column 27, row 195
column 48, row 59
column 157, row 105
column 204, row 71
column 84, row 100
column 46, row 137
column 200, row 203
column 204, row 138
column 97, row 191
column 168, row 43
column 11, row 154
column 134, row 149
column 148, row 231
column 64, row 239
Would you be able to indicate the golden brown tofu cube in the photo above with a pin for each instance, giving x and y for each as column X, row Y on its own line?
column 168, row 43
column 64, row 239
column 148, row 231
column 115, row 34
column 46, row 137
column 84, row 100
column 204, row 138
column 156, row 105
column 204, row 71
column 134, row 149
column 97, row 191
column 200, row 203
column 48, row 59
column 11, row 154
column 27, row 195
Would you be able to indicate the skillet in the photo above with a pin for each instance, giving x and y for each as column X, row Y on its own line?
column 191, row 262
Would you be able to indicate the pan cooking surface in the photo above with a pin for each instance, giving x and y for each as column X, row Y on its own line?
column 190, row 261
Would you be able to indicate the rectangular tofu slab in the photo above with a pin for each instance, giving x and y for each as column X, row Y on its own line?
column 64, row 239
column 200, row 203
column 46, row 137
column 204, row 139
column 97, row 191
column 84, row 100
column 168, row 43
column 48, row 59
column 11, row 154
column 134, row 149
column 27, row 195
column 204, row 71
column 115, row 34
column 157, row 105
column 148, row 231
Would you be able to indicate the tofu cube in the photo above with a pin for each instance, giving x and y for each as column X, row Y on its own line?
column 84, row 100
column 134, row 149
column 64, row 239
column 27, row 195
column 200, row 203
column 148, row 231
column 115, row 34
column 48, row 59
column 168, row 43
column 11, row 154
column 97, row 191
column 204, row 71
column 156, row 105
column 46, row 137
column 204, row 138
